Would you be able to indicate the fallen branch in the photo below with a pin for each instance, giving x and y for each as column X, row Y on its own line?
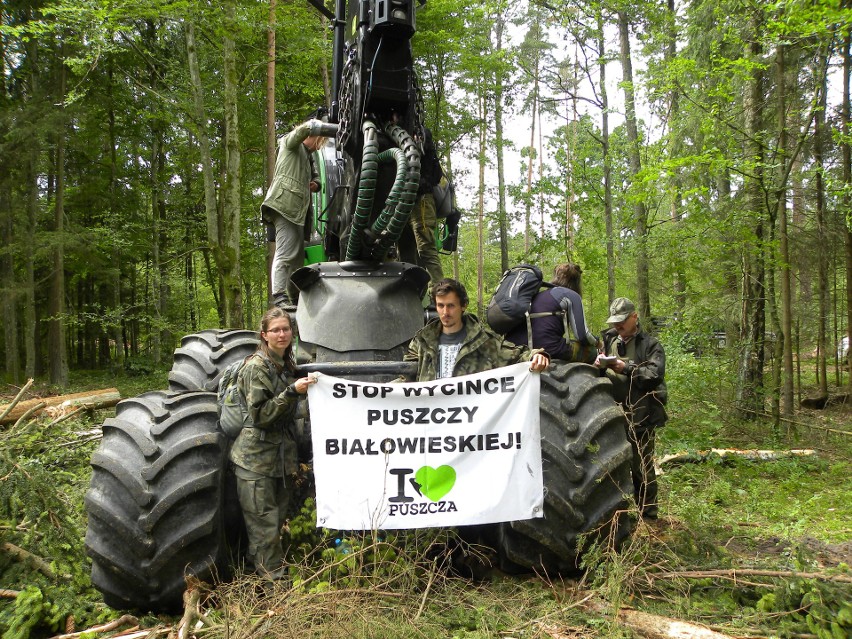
column 8, row 409
column 27, row 557
column 107, row 627
column 734, row 574
column 103, row 398
column 644, row 624
column 23, row 418
column 9, row 594
column 787, row 420
column 755, row 455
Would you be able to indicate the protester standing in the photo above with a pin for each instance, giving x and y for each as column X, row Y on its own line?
column 635, row 362
column 265, row 452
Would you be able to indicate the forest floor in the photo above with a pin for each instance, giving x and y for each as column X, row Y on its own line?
column 742, row 548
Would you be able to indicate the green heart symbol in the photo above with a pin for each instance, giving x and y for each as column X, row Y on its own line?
column 435, row 482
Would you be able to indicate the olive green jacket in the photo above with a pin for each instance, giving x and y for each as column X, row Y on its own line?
column 290, row 194
column 267, row 447
column 481, row 350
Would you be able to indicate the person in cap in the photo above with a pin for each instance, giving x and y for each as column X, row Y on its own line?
column 635, row 362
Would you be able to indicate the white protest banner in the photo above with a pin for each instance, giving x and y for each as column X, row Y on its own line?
column 456, row 451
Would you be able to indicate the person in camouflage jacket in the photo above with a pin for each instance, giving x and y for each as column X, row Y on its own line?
column 265, row 452
column 286, row 204
column 473, row 347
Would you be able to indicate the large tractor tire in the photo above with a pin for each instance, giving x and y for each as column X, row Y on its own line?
column 202, row 357
column 156, row 503
column 585, row 458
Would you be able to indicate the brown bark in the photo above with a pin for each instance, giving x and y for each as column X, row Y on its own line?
column 271, row 146
column 125, row 620
column 502, row 222
column 607, row 163
column 97, row 399
column 644, row 624
column 228, row 252
column 640, row 212
column 787, row 406
column 24, row 556
column 749, row 394
column 56, row 345
column 846, row 152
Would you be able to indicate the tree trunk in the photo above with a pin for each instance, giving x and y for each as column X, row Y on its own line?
column 9, row 297
column 502, row 223
column 530, row 157
column 607, row 162
column 211, row 211
column 674, row 152
column 229, row 248
column 787, row 406
column 271, row 137
column 115, row 280
column 480, row 253
column 56, row 346
column 822, row 233
column 846, row 152
column 749, row 394
column 640, row 213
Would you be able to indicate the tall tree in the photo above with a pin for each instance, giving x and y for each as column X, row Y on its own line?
column 640, row 212
column 750, row 373
column 56, row 344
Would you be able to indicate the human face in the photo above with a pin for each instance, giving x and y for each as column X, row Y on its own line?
column 312, row 143
column 279, row 335
column 627, row 328
column 450, row 311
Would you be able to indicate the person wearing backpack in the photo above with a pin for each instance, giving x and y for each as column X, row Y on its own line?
column 264, row 452
column 551, row 312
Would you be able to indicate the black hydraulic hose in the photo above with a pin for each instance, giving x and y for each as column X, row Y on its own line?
column 366, row 190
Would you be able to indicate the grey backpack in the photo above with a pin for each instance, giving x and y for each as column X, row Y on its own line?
column 233, row 409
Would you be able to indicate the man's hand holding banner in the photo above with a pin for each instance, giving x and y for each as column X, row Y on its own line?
column 455, row 451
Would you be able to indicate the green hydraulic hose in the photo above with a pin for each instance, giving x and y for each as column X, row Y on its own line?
column 407, row 190
column 386, row 216
column 366, row 190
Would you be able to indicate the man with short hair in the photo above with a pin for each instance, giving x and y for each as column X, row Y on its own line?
column 457, row 343
column 635, row 362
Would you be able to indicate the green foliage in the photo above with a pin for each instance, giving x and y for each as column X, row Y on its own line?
column 29, row 612
column 43, row 476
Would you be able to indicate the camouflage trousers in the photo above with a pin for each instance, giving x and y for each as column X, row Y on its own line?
column 264, row 503
column 424, row 221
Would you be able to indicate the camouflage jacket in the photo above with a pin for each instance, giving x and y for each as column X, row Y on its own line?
column 290, row 194
column 481, row 350
column 267, row 447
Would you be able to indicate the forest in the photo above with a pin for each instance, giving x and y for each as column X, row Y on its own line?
column 692, row 155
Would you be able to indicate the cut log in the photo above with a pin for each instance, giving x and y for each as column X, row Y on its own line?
column 96, row 399
column 755, row 455
column 643, row 624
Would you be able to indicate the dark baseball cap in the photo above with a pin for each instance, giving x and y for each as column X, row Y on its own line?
column 620, row 309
